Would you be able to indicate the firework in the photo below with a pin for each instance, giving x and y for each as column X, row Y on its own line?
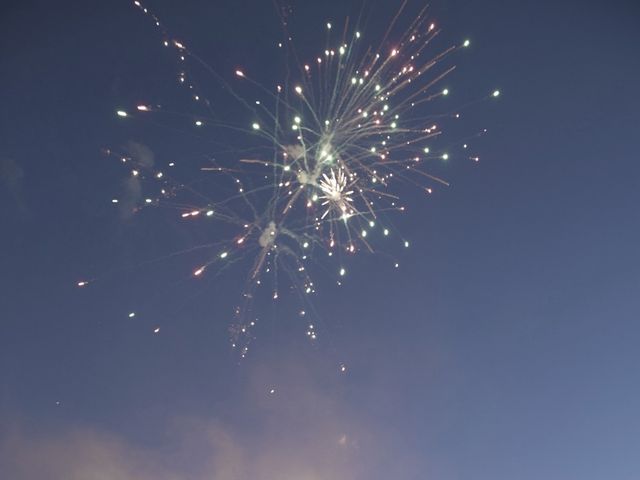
column 332, row 149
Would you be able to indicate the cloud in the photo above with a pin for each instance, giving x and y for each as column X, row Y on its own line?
column 194, row 449
column 78, row 454
column 298, row 432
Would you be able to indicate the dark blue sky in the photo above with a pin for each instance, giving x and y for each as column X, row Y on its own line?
column 505, row 347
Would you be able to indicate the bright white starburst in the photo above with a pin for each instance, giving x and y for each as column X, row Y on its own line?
column 335, row 194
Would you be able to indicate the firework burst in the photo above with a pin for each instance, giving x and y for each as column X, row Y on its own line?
column 331, row 152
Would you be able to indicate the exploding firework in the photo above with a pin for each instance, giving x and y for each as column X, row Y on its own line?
column 332, row 146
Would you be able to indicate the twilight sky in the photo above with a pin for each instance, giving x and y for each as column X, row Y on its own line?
column 506, row 345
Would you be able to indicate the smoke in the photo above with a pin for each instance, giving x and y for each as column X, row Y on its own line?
column 140, row 153
column 131, row 195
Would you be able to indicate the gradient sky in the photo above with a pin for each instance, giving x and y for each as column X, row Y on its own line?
column 506, row 347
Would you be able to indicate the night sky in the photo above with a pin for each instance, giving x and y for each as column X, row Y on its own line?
column 504, row 347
